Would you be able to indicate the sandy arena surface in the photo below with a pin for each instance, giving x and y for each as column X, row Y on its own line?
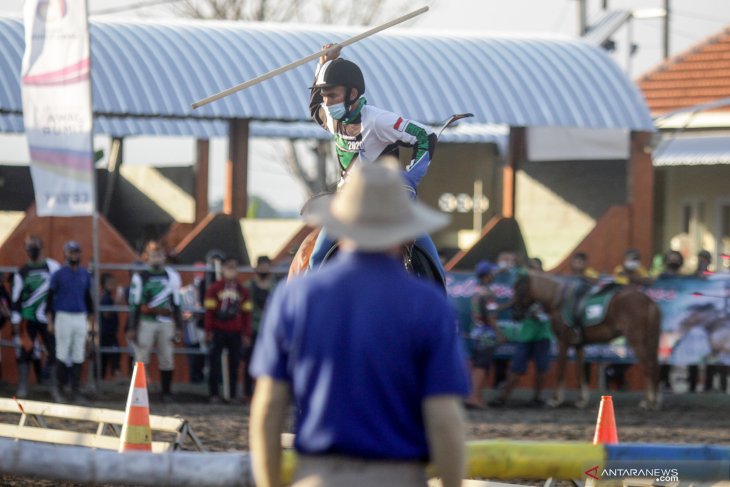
column 696, row 418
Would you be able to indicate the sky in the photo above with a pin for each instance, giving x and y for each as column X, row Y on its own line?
column 691, row 22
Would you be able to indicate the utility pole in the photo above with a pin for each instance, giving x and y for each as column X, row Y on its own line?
column 665, row 43
column 582, row 17
column 605, row 4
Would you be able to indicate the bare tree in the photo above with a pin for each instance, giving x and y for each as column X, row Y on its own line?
column 361, row 12
column 324, row 172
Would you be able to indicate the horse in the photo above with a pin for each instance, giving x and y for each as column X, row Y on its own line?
column 630, row 313
column 415, row 260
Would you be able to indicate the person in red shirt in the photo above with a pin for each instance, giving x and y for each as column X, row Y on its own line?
column 227, row 325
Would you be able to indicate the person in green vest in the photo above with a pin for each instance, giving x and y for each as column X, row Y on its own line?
column 155, row 321
column 533, row 341
column 30, row 323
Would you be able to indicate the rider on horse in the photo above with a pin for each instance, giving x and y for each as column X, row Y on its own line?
column 364, row 132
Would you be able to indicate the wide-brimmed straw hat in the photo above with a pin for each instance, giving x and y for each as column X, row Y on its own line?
column 373, row 209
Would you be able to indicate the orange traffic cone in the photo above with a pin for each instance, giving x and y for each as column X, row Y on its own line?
column 606, row 433
column 136, row 433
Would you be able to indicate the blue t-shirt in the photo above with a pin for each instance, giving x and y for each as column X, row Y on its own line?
column 362, row 343
column 70, row 290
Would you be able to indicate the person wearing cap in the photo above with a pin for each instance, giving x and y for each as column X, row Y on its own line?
column 29, row 297
column 70, row 311
column 155, row 319
column 484, row 335
column 364, row 133
column 369, row 354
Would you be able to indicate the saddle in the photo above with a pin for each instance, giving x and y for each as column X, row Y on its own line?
column 586, row 305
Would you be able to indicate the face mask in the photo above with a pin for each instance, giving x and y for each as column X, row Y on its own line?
column 503, row 264
column 674, row 266
column 631, row 265
column 263, row 275
column 33, row 252
column 73, row 261
column 336, row 111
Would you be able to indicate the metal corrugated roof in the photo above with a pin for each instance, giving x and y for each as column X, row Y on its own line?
column 206, row 129
column 693, row 151
column 157, row 69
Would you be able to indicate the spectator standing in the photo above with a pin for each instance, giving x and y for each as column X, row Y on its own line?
column 502, row 288
column 704, row 261
column 227, row 325
column 192, row 297
column 70, row 314
column 672, row 262
column 369, row 414
column 109, row 327
column 154, row 300
column 484, row 334
column 30, row 290
column 260, row 287
column 533, row 343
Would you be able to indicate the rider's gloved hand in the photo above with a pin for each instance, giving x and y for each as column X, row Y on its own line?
column 330, row 56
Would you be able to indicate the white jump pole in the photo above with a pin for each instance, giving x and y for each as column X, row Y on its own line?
column 87, row 465
column 311, row 57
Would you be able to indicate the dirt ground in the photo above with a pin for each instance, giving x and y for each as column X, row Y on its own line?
column 685, row 418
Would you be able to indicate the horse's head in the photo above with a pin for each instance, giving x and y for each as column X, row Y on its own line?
column 522, row 299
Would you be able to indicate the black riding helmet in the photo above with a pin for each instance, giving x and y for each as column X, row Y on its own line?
column 341, row 72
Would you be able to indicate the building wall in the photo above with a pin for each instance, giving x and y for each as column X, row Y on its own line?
column 558, row 203
column 692, row 199
column 454, row 169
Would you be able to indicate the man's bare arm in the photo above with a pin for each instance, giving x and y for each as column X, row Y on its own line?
column 445, row 430
column 268, row 412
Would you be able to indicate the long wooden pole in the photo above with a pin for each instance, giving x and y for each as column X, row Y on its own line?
column 311, row 57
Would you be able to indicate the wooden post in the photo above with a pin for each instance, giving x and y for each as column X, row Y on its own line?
column 640, row 193
column 516, row 152
column 236, row 203
column 201, row 179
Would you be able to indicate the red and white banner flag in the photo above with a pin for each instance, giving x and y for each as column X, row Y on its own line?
column 56, row 89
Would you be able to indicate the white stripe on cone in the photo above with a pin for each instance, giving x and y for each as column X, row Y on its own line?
column 139, row 397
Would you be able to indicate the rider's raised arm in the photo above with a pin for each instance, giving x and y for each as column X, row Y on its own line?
column 315, row 105
column 393, row 128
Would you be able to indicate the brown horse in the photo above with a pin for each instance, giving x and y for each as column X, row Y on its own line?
column 415, row 260
column 630, row 313
column 300, row 263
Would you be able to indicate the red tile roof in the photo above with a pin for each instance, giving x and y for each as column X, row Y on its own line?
column 699, row 75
